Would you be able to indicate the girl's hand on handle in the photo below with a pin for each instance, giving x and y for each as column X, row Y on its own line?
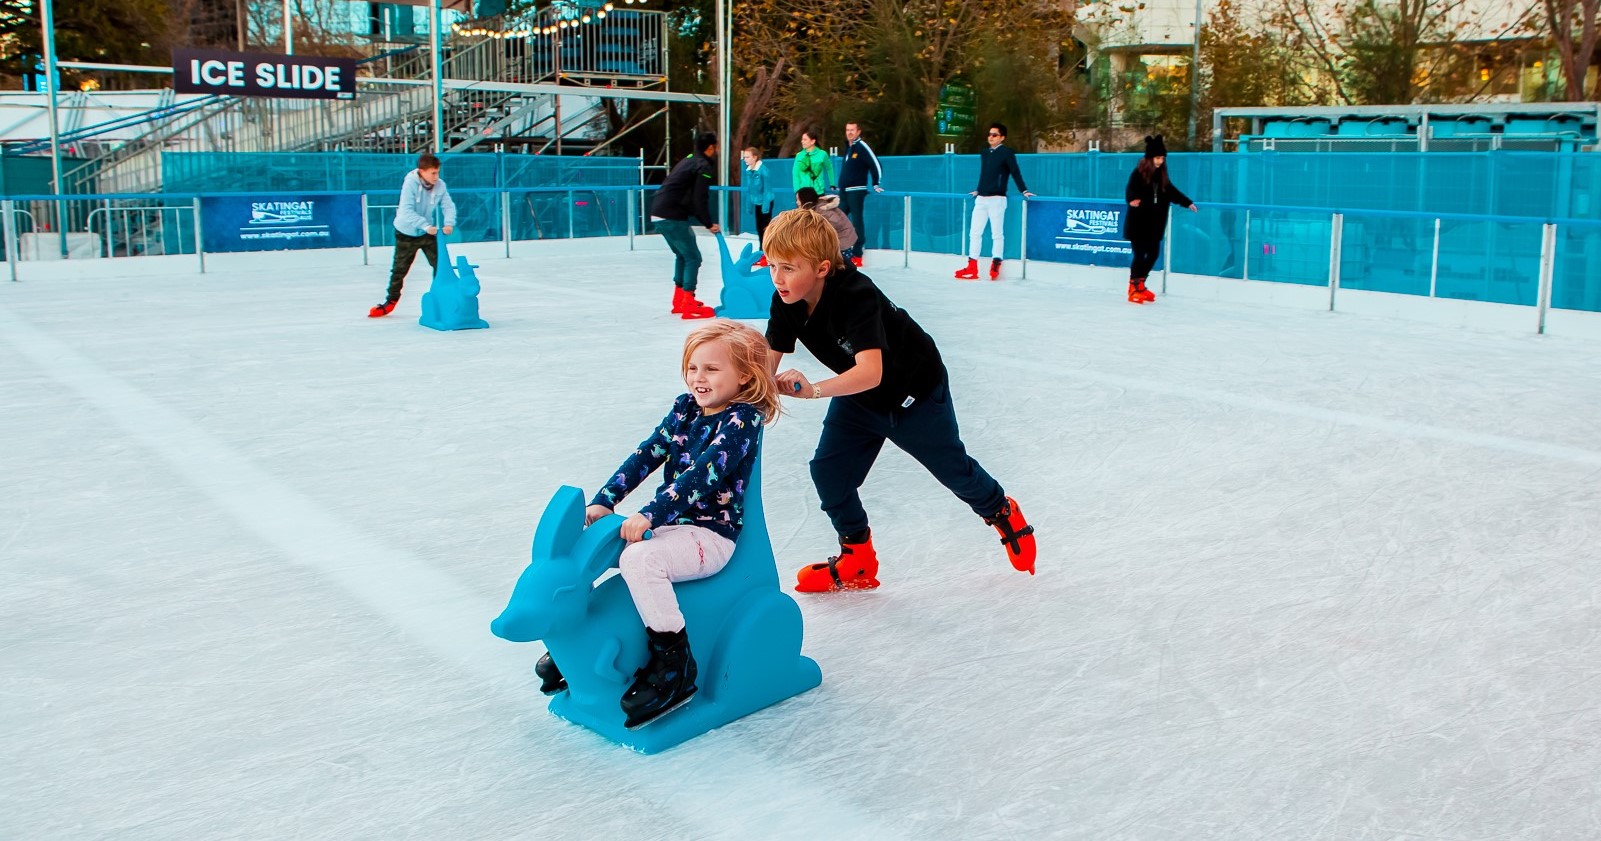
column 1135, row 203
column 595, row 512
column 634, row 528
column 794, row 383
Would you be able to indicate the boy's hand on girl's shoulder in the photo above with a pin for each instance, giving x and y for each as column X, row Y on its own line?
column 595, row 512
column 634, row 528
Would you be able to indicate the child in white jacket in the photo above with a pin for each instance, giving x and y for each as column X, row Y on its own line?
column 422, row 197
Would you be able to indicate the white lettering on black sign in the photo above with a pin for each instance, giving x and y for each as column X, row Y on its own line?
column 257, row 74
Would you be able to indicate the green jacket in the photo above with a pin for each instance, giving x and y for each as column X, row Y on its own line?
column 814, row 169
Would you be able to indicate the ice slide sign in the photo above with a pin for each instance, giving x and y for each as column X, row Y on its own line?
column 263, row 74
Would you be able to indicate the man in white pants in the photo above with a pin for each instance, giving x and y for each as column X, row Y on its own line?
column 989, row 204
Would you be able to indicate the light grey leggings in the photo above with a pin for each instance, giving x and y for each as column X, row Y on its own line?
column 674, row 553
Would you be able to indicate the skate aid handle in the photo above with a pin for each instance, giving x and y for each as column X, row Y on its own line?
column 648, row 535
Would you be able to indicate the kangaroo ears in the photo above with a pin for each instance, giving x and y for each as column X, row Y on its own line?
column 560, row 526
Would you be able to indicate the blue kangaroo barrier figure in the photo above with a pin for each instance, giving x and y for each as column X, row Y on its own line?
column 745, row 631
column 451, row 302
column 747, row 290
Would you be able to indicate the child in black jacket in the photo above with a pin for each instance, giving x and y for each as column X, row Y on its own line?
column 891, row 386
column 1149, row 195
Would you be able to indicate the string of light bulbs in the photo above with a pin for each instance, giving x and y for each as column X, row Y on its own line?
column 571, row 15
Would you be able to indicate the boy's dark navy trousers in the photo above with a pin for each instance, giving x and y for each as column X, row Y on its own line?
column 853, row 434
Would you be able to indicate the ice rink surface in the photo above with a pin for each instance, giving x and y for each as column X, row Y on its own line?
column 1302, row 575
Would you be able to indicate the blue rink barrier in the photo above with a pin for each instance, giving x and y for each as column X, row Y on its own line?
column 1457, row 256
column 1520, row 260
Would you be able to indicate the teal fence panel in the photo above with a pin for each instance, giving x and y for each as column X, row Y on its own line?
column 1387, row 253
column 375, row 173
column 1486, row 260
column 1288, row 246
column 1576, row 279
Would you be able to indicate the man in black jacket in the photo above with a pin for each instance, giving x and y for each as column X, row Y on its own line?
column 683, row 195
column 859, row 173
column 989, row 206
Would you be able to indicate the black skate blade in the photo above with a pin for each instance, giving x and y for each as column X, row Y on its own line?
column 553, row 692
column 632, row 724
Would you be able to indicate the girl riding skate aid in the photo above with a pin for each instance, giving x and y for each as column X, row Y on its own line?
column 708, row 445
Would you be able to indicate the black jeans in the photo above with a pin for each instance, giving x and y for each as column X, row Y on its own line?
column 853, row 434
column 406, row 248
column 763, row 219
column 1146, row 252
column 854, row 203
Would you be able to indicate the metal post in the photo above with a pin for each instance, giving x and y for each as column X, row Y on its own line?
column 1023, row 253
column 1434, row 262
column 9, row 225
column 631, row 214
column 1167, row 256
column 289, row 31
column 366, row 232
column 724, row 117
column 200, row 246
column 1548, row 261
column 505, row 221
column 48, row 22
column 1195, row 79
column 1245, row 264
column 570, row 234
column 906, row 236
column 1336, row 243
column 439, row 83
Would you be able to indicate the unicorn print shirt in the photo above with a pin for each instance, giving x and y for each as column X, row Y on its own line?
column 708, row 461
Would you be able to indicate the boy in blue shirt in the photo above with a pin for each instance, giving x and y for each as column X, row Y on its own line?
column 421, row 195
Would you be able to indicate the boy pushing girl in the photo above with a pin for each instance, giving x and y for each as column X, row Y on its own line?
column 891, row 385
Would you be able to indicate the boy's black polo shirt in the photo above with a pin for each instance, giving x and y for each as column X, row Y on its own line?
column 852, row 316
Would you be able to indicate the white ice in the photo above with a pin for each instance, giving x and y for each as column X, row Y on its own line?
column 1301, row 575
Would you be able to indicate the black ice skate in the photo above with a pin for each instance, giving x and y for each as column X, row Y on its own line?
column 666, row 682
column 551, row 681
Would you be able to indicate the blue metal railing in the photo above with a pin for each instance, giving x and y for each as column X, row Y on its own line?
column 1528, row 261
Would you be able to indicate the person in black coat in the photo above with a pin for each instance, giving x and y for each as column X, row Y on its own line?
column 685, row 195
column 1149, row 195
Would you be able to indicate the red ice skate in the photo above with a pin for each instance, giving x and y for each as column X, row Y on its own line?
column 1016, row 535
column 695, row 309
column 854, row 568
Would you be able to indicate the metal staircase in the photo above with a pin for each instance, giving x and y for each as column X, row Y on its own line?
column 393, row 112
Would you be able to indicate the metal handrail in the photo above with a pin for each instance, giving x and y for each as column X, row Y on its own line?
column 160, row 210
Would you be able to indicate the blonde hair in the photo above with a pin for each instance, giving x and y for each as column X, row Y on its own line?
column 748, row 351
column 802, row 234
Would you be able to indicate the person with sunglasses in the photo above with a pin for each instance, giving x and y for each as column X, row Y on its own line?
column 989, row 204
